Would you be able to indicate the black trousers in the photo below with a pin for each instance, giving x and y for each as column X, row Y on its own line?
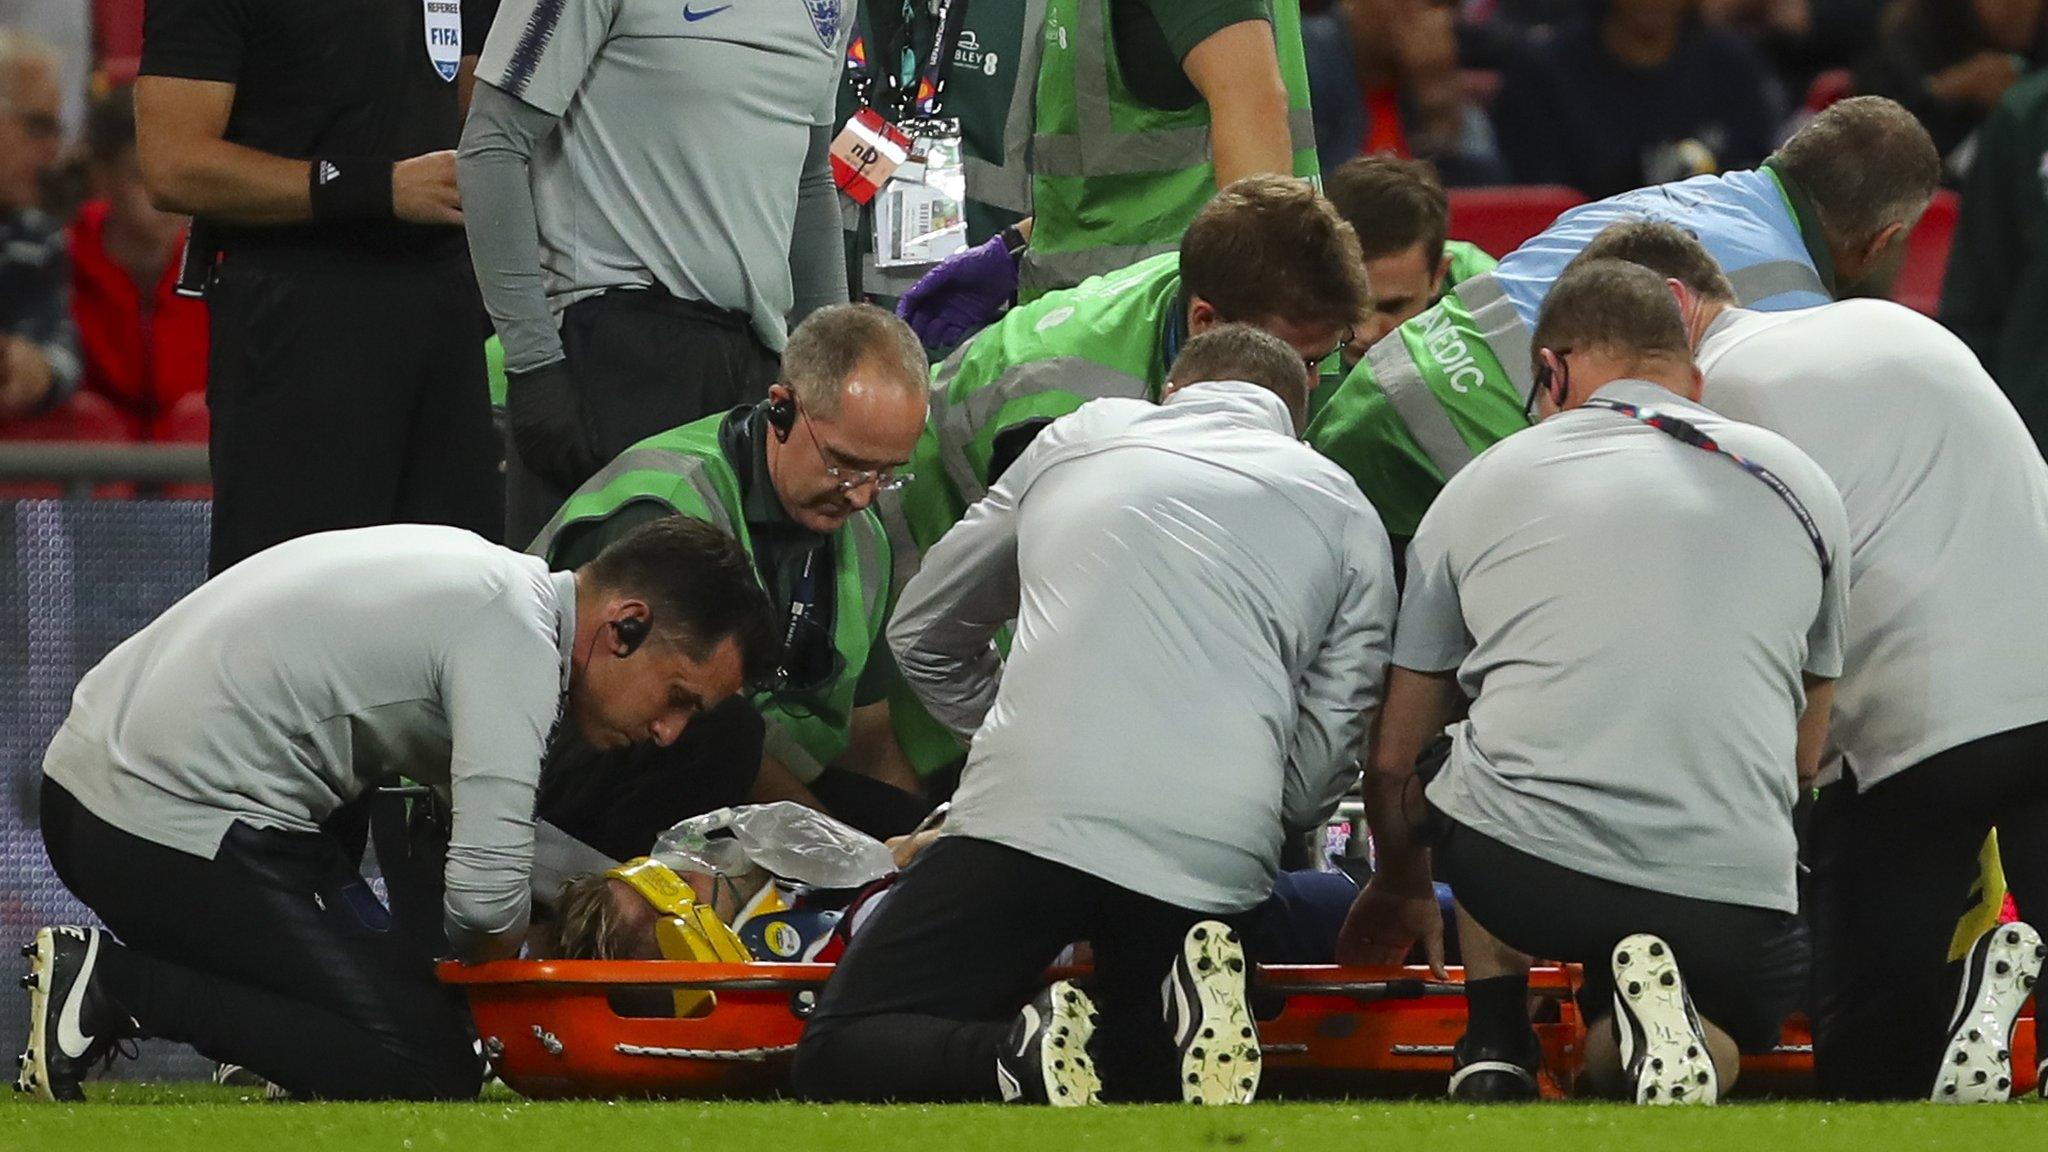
column 1893, row 867
column 643, row 362
column 274, row 955
column 1744, row 967
column 618, row 800
column 928, row 990
column 346, row 390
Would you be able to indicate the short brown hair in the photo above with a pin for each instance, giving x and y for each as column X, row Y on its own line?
column 1392, row 204
column 1667, row 250
column 1270, row 247
column 1613, row 305
column 699, row 585
column 1867, row 163
column 1253, row 355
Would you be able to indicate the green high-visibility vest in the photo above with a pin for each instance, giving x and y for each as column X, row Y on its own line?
column 1426, row 399
column 685, row 471
column 1113, row 179
column 1467, row 261
column 1040, row 362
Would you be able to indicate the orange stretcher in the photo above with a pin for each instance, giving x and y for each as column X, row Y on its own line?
column 551, row 1029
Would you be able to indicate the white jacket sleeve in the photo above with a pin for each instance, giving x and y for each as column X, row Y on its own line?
column 950, row 611
column 1343, row 685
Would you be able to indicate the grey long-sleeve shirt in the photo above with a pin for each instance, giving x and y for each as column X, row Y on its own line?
column 287, row 685
column 628, row 143
column 1204, row 611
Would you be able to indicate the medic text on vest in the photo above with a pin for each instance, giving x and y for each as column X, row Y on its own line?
column 1451, row 353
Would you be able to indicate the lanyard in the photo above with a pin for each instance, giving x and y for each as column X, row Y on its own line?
column 892, row 80
column 1686, row 433
column 803, row 600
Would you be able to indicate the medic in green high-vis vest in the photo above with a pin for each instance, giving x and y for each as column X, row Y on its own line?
column 1822, row 219
column 1268, row 251
column 1121, row 160
column 793, row 479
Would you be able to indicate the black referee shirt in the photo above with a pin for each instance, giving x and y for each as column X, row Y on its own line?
column 326, row 78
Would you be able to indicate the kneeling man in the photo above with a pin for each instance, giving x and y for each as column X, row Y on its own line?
column 184, row 796
column 1203, row 611
column 1645, row 603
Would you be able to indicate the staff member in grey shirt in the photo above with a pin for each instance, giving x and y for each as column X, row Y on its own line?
column 184, row 795
column 1203, row 608
column 1645, row 603
column 650, row 205
column 1940, row 729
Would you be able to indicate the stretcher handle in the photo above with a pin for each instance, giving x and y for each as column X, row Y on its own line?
column 1403, row 989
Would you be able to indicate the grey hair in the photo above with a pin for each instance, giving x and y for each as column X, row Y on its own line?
column 824, row 350
column 1868, row 164
column 18, row 49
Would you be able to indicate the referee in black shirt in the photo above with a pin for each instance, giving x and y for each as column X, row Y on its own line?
column 312, row 140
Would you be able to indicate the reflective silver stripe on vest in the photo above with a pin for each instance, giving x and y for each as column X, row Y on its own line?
column 904, row 557
column 957, row 424
column 1501, row 327
column 1008, row 184
column 1050, row 271
column 1099, row 149
column 1394, row 370
column 782, row 744
column 867, row 554
column 1772, row 278
column 690, row 469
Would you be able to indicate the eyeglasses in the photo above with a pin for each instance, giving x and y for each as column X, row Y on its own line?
column 1315, row 363
column 1543, row 379
column 852, row 480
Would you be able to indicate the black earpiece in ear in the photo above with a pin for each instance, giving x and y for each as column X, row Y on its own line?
column 632, row 632
column 782, row 415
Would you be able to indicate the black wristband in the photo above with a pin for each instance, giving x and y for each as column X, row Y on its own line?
column 350, row 188
column 1013, row 240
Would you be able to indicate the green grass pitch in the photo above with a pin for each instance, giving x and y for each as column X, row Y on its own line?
column 153, row 1118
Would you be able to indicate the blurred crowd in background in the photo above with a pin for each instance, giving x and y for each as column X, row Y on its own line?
column 1595, row 95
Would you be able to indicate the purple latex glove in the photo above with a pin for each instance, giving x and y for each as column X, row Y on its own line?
column 962, row 295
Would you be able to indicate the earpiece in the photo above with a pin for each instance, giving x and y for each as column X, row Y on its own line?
column 632, row 632
column 782, row 414
column 1553, row 377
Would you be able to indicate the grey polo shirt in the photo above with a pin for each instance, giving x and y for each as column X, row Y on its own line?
column 1203, row 607
column 684, row 129
column 1947, row 500
column 283, row 688
column 1631, row 616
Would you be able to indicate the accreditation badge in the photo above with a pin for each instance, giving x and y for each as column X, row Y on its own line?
column 920, row 217
column 865, row 154
column 444, row 36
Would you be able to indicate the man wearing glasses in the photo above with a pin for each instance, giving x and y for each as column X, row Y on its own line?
column 39, row 364
column 793, row 478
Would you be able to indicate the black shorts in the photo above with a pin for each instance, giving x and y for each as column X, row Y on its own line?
column 1745, row 967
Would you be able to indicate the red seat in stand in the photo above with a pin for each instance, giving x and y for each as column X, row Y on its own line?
column 85, row 418
column 1500, row 219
